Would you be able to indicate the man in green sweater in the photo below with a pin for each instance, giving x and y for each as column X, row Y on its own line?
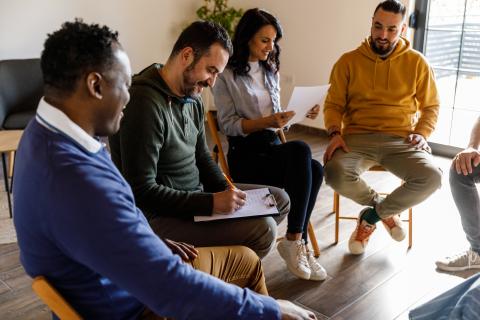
column 162, row 152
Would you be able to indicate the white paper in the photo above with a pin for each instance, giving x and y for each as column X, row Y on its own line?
column 303, row 99
column 259, row 203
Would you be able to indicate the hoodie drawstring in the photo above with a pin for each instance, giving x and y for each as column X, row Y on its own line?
column 389, row 62
column 388, row 73
column 169, row 100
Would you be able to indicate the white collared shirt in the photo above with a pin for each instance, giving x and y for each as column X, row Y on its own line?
column 54, row 119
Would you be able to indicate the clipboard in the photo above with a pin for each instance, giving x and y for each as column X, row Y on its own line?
column 260, row 202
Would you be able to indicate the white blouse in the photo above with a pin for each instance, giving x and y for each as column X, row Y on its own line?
column 265, row 104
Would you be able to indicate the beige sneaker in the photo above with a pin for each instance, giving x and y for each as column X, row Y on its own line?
column 317, row 272
column 394, row 227
column 295, row 256
column 359, row 239
column 462, row 261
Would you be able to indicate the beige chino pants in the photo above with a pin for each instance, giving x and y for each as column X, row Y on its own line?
column 236, row 265
column 422, row 177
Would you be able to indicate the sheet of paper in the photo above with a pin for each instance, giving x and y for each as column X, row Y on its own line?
column 260, row 202
column 303, row 99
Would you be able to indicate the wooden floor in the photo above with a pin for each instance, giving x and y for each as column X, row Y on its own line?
column 384, row 283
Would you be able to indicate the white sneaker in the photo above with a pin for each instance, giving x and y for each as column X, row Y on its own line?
column 462, row 261
column 295, row 256
column 317, row 272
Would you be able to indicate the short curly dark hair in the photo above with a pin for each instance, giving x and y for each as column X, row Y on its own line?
column 74, row 50
column 200, row 35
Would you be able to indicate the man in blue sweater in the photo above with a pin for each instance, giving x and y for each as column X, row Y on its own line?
column 75, row 216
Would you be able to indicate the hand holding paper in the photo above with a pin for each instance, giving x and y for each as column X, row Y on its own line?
column 280, row 119
column 304, row 100
column 313, row 113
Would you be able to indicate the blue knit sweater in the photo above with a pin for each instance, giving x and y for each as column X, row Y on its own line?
column 77, row 224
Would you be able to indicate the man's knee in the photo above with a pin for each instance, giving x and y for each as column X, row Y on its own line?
column 246, row 255
column 456, row 179
column 334, row 171
column 433, row 178
column 265, row 232
column 282, row 199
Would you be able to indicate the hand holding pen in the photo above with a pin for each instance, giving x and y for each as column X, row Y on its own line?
column 230, row 200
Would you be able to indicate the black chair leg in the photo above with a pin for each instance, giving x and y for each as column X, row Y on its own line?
column 7, row 188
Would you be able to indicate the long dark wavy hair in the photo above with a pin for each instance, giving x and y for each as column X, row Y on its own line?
column 252, row 21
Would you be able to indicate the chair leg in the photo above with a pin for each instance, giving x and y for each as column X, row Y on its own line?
column 336, row 209
column 313, row 240
column 410, row 227
column 11, row 159
column 7, row 188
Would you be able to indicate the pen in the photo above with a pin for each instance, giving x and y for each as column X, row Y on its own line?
column 230, row 183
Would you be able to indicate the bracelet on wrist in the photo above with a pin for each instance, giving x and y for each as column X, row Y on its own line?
column 334, row 133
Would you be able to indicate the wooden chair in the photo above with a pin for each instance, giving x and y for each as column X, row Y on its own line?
column 336, row 210
column 219, row 156
column 52, row 298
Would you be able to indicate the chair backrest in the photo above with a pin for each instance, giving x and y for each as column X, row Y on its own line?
column 21, row 87
column 218, row 153
column 52, row 298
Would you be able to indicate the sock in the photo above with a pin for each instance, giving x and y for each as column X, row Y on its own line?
column 371, row 216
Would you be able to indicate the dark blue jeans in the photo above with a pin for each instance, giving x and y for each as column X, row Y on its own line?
column 289, row 166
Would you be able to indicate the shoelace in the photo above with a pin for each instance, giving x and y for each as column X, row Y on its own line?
column 313, row 262
column 301, row 254
column 472, row 257
column 364, row 231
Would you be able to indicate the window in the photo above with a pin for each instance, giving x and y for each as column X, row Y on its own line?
column 448, row 33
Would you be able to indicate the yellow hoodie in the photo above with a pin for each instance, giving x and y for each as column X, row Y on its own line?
column 397, row 95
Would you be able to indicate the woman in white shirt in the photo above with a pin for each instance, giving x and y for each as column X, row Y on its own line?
column 247, row 97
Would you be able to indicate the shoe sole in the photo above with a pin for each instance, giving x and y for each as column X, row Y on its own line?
column 318, row 278
column 444, row 268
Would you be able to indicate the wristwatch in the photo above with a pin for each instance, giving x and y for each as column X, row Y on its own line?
column 333, row 131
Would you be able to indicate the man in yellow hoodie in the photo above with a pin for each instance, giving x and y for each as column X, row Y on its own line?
column 381, row 107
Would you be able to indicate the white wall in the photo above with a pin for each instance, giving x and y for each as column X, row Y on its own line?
column 316, row 32
column 148, row 28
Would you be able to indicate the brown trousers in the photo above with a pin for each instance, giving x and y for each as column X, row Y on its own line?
column 236, row 265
